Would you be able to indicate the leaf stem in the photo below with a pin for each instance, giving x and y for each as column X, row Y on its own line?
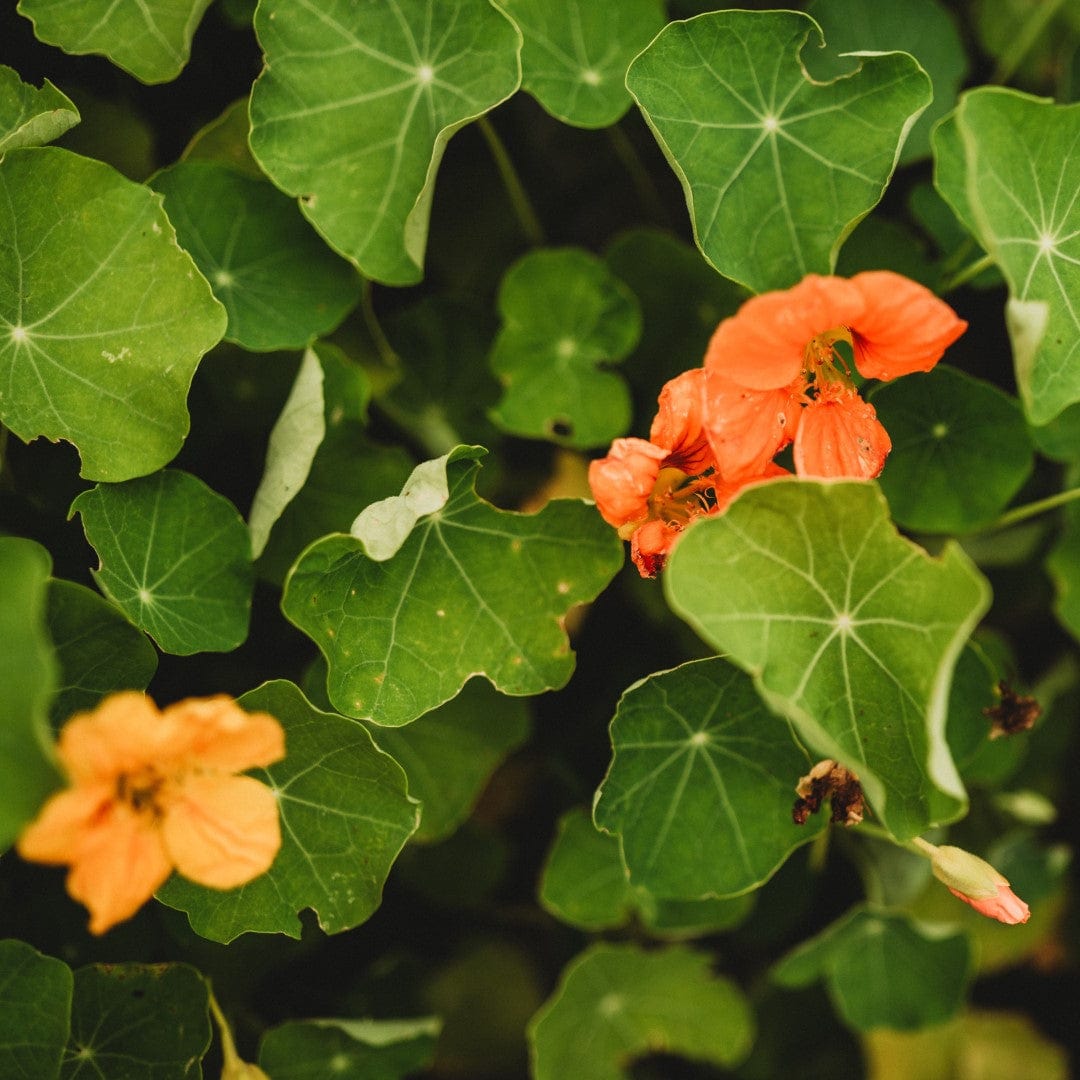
column 1022, row 42
column 639, row 175
column 965, row 274
column 1033, row 509
column 386, row 351
column 917, row 845
column 515, row 190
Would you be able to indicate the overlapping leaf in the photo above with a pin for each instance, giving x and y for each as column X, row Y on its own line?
column 435, row 586
column 565, row 316
column 31, row 117
column 576, row 53
column 777, row 169
column 103, row 318
column 847, row 628
column 1063, row 564
column 35, row 1012
column 345, row 815
column 150, row 39
column 355, row 107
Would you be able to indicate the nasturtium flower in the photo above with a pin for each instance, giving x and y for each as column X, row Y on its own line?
column 156, row 790
column 975, row 881
column 775, row 374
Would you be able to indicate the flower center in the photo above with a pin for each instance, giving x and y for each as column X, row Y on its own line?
column 676, row 497
column 823, row 363
column 140, row 790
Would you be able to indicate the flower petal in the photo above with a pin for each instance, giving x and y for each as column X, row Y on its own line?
column 839, row 435
column 215, row 733
column 64, row 823
column 677, row 425
column 1004, row 905
column 221, row 831
column 123, row 734
column 904, row 327
column 623, row 481
column 650, row 546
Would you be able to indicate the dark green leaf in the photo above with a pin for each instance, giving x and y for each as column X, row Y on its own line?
column 35, row 1012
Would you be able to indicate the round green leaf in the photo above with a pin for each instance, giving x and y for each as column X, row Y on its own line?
column 616, row 1002
column 848, row 629
column 701, row 785
column 150, row 39
column 225, row 139
column 355, row 107
column 97, row 649
column 565, row 315
column 345, row 816
column 777, row 168
column 30, row 117
column 281, row 285
column 175, row 557
column 35, row 1012
column 103, row 318
column 436, row 585
column 961, row 450
column 575, row 54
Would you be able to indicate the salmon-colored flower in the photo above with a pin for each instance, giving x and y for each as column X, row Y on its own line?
column 974, row 881
column 152, row 791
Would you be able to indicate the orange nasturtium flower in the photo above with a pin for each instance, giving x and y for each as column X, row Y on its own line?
column 152, row 791
column 773, row 373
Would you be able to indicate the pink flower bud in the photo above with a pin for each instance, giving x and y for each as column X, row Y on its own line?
column 976, row 882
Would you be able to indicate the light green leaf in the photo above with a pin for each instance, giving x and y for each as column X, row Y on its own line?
column 97, row 649
column 355, row 107
column 565, row 316
column 847, row 628
column 28, row 676
column 702, row 783
column 137, row 1021
column 345, row 816
column 1063, row 566
column 1016, row 191
column 777, row 169
column 31, row 117
column 150, row 39
column 472, row 590
column 373, row 1049
column 883, row 969
column 616, row 1002
column 575, row 54
column 103, row 318
column 280, row 284
column 961, row 450
column 35, row 1012
column 175, row 557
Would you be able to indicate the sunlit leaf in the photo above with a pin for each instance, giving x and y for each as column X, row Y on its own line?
column 702, row 783
column 847, row 628
column 281, row 285
column 35, row 1012
column 777, row 169
column 31, row 117
column 28, row 675
column 576, row 53
column 443, row 586
column 616, row 1002
column 565, row 318
column 150, row 39
column 345, row 815
column 175, row 557
column 103, row 318
column 355, row 107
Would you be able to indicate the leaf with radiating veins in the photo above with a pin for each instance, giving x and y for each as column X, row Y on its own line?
column 30, row 117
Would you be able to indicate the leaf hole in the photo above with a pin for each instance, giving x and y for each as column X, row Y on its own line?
column 561, row 426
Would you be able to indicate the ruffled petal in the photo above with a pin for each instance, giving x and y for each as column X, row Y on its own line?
column 677, row 425
column 650, row 546
column 123, row 734
column 64, row 823
column 904, row 327
column 839, row 435
column 623, row 481
column 215, row 733
column 221, row 831
column 726, row 491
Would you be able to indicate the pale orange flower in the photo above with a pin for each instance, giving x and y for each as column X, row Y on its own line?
column 152, row 791
column 840, row 435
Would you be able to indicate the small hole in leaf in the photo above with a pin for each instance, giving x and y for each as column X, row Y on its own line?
column 561, row 426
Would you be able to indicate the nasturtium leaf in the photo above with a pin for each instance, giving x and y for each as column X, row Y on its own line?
column 281, row 285
column 469, row 589
column 960, row 450
column 879, row 243
column 565, row 315
column 702, row 782
column 356, row 104
column 103, row 318
column 35, row 1012
column 175, row 557
column 1018, row 179
column 450, row 753
column 1063, row 565
column 924, row 28
column 97, row 649
column 225, row 140
column 31, row 117
column 617, row 1002
column 373, row 1049
column 956, row 246
column 28, row 677
column 883, row 969
column 137, row 1021
column 847, row 628
column 575, row 54
column 1060, row 439
column 345, row 816
column 777, row 169
column 150, row 39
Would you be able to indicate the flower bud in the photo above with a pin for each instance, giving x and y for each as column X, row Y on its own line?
column 976, row 882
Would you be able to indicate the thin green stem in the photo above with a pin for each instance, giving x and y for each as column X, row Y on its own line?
column 639, row 175
column 1021, row 43
column 228, row 1046
column 917, row 845
column 374, row 328
column 965, row 274
column 1030, row 510
column 515, row 190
